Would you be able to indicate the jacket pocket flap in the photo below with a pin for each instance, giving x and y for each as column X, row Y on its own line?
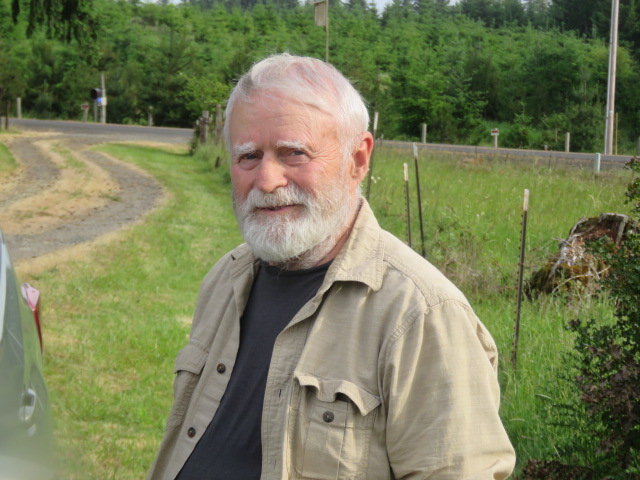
column 191, row 359
column 328, row 389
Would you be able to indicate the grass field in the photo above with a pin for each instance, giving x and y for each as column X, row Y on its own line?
column 115, row 321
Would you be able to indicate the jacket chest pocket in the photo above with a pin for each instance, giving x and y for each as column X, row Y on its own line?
column 189, row 364
column 331, row 429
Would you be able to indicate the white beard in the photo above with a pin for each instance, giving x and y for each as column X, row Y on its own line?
column 301, row 238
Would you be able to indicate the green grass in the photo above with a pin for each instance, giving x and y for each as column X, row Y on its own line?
column 69, row 160
column 115, row 321
column 7, row 162
column 472, row 210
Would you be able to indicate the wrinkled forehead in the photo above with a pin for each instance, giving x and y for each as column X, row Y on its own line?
column 309, row 104
column 274, row 114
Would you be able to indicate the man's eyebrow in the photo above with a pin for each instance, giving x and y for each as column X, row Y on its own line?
column 291, row 144
column 243, row 149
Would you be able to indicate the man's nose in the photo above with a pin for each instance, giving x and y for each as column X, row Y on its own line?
column 271, row 174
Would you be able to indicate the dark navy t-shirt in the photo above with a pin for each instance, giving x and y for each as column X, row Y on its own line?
column 230, row 448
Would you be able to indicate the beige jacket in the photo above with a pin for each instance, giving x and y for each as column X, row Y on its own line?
column 385, row 374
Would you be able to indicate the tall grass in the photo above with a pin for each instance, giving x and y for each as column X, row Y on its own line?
column 114, row 321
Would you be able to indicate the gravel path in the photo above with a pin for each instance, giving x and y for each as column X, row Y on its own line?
column 138, row 194
column 37, row 174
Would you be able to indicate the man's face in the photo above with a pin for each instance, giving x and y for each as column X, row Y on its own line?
column 294, row 196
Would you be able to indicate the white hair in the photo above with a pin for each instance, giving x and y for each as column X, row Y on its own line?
column 310, row 82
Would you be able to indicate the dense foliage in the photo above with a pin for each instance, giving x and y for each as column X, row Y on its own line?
column 536, row 69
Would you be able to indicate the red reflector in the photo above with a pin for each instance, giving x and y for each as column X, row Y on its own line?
column 32, row 297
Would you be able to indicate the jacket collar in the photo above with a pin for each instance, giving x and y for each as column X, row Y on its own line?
column 361, row 257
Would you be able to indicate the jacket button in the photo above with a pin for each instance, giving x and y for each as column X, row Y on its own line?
column 221, row 368
column 327, row 417
column 191, row 432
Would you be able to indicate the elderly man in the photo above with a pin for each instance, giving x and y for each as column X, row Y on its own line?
column 324, row 347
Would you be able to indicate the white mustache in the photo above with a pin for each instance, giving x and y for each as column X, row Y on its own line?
column 289, row 195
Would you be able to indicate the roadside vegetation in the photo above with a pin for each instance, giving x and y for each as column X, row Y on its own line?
column 7, row 162
column 113, row 322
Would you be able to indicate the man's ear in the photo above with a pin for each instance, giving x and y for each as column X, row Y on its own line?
column 361, row 157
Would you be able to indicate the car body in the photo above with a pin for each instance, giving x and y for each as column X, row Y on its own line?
column 25, row 414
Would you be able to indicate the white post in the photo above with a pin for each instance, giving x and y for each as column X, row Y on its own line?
column 494, row 133
column 103, row 103
column 596, row 164
column 611, row 85
column 567, row 142
column 375, row 125
column 424, row 133
column 19, row 107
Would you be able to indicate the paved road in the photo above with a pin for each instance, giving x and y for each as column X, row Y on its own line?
column 98, row 132
column 585, row 160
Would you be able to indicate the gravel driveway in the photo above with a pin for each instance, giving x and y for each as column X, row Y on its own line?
column 137, row 192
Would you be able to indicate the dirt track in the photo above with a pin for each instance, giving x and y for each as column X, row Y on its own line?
column 64, row 196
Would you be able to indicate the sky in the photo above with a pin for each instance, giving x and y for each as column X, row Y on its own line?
column 380, row 4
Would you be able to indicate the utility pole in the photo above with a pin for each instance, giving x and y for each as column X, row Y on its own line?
column 321, row 18
column 326, row 37
column 611, row 85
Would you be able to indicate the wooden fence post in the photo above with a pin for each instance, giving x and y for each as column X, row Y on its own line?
column 204, row 127
column 219, row 124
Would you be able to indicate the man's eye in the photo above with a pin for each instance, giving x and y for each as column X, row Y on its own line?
column 247, row 161
column 296, row 157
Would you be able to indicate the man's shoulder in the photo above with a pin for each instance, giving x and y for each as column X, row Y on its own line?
column 392, row 268
column 405, row 268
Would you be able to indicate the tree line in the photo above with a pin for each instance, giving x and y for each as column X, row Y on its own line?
column 535, row 69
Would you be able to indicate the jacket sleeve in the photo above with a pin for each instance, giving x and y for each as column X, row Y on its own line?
column 442, row 395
